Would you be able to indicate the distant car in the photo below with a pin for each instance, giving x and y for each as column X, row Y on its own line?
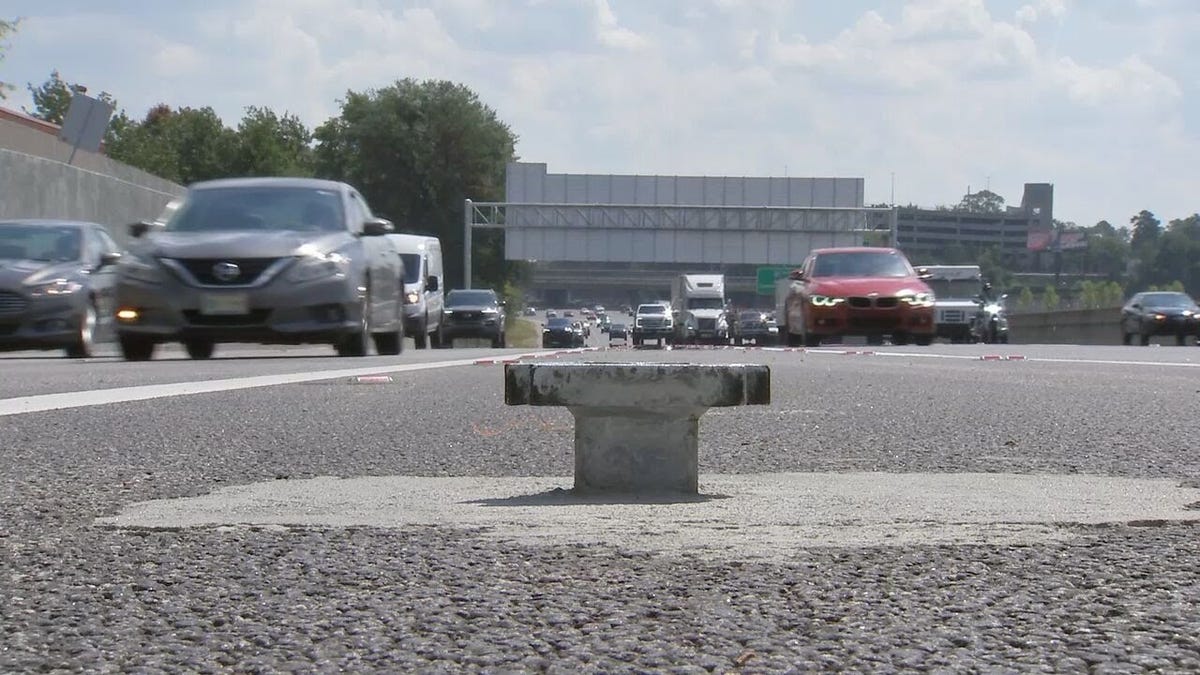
column 267, row 260
column 867, row 291
column 57, row 285
column 529, row 311
column 568, row 313
column 1160, row 313
column 550, row 314
column 561, row 332
column 477, row 313
column 618, row 330
column 752, row 325
column 604, row 322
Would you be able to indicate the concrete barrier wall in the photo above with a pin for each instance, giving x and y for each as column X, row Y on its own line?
column 36, row 187
column 1075, row 326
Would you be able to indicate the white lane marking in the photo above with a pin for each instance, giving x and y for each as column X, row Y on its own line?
column 1005, row 357
column 81, row 399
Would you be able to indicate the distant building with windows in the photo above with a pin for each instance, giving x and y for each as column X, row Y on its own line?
column 921, row 233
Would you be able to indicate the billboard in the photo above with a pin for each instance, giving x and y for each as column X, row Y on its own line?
column 1056, row 240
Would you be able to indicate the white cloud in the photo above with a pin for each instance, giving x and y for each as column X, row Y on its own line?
column 943, row 92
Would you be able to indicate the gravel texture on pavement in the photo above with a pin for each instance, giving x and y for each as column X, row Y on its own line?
column 78, row 597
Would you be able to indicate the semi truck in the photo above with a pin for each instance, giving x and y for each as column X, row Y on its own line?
column 698, row 307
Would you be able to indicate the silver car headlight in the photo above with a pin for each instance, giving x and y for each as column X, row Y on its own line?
column 319, row 266
column 918, row 300
column 55, row 288
column 140, row 268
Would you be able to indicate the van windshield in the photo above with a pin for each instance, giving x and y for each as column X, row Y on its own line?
column 412, row 267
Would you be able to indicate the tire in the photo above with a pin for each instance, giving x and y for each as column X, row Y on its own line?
column 874, row 340
column 136, row 347
column 1145, row 340
column 923, row 340
column 199, row 349
column 358, row 343
column 389, row 344
column 422, row 339
column 85, row 341
column 900, row 339
column 1126, row 338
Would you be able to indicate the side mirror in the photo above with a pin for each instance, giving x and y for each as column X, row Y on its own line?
column 109, row 259
column 431, row 283
column 796, row 275
column 375, row 227
column 924, row 273
column 139, row 229
column 1136, row 305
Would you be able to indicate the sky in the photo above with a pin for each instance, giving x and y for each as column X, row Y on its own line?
column 934, row 97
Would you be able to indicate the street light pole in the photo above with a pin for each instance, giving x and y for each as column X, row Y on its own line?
column 467, row 220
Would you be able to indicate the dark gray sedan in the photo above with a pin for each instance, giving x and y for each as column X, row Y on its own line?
column 266, row 260
column 56, row 285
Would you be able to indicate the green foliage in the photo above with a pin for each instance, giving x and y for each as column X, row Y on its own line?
column 1025, row 300
column 984, row 201
column 417, row 150
column 7, row 28
column 1174, row 286
column 1050, row 299
column 1098, row 294
column 270, row 145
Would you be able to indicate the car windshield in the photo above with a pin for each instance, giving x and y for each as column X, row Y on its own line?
column 412, row 267
column 55, row 243
column 954, row 288
column 470, row 298
column 705, row 303
column 651, row 309
column 750, row 316
column 239, row 209
column 558, row 323
column 861, row 264
column 1167, row 300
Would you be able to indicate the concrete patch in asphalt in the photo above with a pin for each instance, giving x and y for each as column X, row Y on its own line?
column 735, row 516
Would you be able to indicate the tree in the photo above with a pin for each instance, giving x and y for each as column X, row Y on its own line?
column 267, row 144
column 1025, row 300
column 1050, row 299
column 417, row 150
column 7, row 28
column 1146, row 231
column 984, row 201
column 52, row 98
column 184, row 146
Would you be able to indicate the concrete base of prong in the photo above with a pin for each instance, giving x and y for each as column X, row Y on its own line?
column 636, row 424
column 637, row 450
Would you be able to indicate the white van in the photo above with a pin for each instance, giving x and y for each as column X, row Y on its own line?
column 423, row 283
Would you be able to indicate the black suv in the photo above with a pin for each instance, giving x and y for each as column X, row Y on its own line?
column 476, row 313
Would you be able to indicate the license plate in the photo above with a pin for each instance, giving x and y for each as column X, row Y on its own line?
column 224, row 303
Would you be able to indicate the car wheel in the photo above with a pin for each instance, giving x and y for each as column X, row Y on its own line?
column 1145, row 340
column 136, row 347
column 391, row 343
column 1126, row 338
column 422, row 339
column 85, row 340
column 874, row 340
column 899, row 339
column 357, row 343
column 923, row 340
column 199, row 349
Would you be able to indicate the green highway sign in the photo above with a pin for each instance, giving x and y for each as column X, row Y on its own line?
column 767, row 276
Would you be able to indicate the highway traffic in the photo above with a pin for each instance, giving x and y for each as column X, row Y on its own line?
column 953, row 506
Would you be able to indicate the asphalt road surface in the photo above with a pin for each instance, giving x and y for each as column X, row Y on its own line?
column 959, row 507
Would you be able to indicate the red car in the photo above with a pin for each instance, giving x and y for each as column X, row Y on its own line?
column 874, row 292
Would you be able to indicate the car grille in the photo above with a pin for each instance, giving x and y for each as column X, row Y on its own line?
column 706, row 324
column 952, row 316
column 202, row 269
column 753, row 324
column 459, row 315
column 256, row 317
column 12, row 303
column 652, row 322
column 859, row 302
